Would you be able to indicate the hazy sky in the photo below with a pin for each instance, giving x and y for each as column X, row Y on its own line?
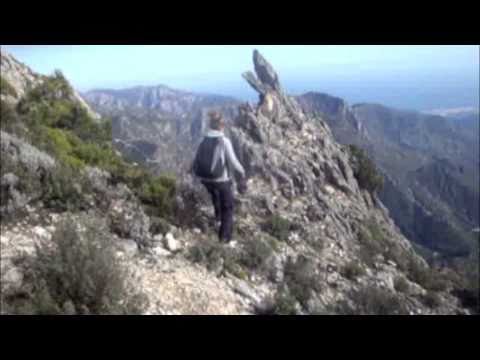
column 417, row 77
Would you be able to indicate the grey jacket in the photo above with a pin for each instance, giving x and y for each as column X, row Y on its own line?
column 227, row 155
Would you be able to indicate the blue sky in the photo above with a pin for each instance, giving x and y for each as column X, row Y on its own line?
column 416, row 77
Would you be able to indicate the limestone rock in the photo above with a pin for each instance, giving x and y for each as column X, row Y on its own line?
column 129, row 247
column 171, row 244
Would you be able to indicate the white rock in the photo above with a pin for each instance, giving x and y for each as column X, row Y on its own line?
column 159, row 251
column 41, row 232
column 391, row 263
column 13, row 278
column 245, row 290
column 158, row 238
column 129, row 247
column 387, row 280
column 170, row 243
column 329, row 189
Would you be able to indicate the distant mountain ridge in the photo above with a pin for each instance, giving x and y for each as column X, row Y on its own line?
column 164, row 99
column 430, row 164
column 158, row 125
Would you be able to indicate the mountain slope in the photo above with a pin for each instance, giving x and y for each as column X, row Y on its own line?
column 303, row 192
column 17, row 79
column 430, row 164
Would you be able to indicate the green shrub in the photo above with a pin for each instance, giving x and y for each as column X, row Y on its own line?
column 364, row 170
column 78, row 274
column 396, row 254
column 61, row 126
column 431, row 299
column 283, row 303
column 212, row 254
column 251, row 257
column 187, row 212
column 272, row 242
column 352, row 270
column 159, row 226
column 429, row 279
column 158, row 193
column 400, row 284
column 57, row 124
column 9, row 120
column 255, row 253
column 371, row 300
column 65, row 190
column 317, row 243
column 205, row 252
column 301, row 279
column 6, row 88
column 278, row 227
column 372, row 242
column 52, row 88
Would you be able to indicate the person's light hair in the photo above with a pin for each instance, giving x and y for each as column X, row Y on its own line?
column 216, row 120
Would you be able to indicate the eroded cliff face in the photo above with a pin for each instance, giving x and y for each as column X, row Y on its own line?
column 429, row 163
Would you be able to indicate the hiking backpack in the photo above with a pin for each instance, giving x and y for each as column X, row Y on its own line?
column 203, row 165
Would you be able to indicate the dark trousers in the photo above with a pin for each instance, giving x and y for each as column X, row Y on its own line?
column 222, row 199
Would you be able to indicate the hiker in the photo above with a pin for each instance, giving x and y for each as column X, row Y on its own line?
column 213, row 165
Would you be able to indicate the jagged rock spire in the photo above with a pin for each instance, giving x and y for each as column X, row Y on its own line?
column 267, row 84
column 266, row 78
column 265, row 71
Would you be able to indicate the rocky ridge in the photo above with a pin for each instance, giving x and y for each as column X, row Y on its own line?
column 21, row 78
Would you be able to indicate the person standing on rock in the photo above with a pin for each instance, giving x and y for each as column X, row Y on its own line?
column 213, row 164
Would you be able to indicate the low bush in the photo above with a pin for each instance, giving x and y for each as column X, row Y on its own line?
column 278, row 227
column 301, row 279
column 431, row 299
column 63, row 189
column 371, row 300
column 282, row 303
column 158, row 226
column 255, row 253
column 78, row 274
column 364, row 170
column 9, row 120
column 6, row 88
column 396, row 254
column 212, row 254
column 372, row 242
column 429, row 279
column 56, row 123
column 352, row 270
column 400, row 284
